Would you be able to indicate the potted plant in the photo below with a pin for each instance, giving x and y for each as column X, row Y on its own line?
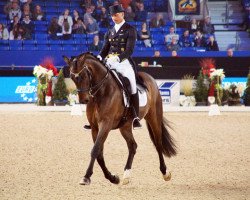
column 225, row 97
column 234, row 96
column 60, row 93
column 44, row 76
column 246, row 96
column 201, row 90
column 216, row 77
column 187, row 89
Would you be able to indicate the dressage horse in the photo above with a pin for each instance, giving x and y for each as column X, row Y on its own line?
column 105, row 108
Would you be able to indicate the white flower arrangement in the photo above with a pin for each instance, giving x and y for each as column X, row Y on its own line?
column 44, row 76
column 217, row 72
column 40, row 71
column 187, row 101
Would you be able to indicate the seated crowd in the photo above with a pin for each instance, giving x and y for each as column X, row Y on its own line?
column 93, row 19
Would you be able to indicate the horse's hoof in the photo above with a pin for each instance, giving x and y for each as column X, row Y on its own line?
column 115, row 179
column 167, row 176
column 85, row 181
column 126, row 177
column 125, row 181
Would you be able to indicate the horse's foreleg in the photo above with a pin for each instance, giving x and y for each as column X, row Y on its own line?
column 99, row 138
column 128, row 136
column 112, row 178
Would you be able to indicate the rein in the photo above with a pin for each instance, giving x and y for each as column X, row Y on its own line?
column 92, row 89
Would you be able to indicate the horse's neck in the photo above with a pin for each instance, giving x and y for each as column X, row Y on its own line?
column 99, row 73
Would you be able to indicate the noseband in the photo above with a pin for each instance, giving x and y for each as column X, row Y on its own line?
column 92, row 89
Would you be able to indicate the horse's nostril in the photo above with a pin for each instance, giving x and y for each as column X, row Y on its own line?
column 84, row 101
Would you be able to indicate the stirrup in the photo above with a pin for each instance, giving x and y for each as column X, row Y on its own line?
column 87, row 127
column 136, row 123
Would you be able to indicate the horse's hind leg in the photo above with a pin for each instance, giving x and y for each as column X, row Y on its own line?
column 128, row 136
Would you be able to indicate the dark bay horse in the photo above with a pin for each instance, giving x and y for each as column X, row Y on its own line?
column 105, row 107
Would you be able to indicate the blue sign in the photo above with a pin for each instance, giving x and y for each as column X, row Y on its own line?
column 234, row 80
column 18, row 89
column 165, row 91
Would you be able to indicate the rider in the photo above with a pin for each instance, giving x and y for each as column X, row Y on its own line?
column 117, row 49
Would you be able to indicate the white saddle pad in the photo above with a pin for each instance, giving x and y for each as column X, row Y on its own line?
column 142, row 97
column 141, row 91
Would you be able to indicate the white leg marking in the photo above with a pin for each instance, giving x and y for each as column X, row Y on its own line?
column 126, row 176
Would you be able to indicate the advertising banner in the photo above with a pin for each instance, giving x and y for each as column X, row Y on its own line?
column 170, row 91
column 187, row 7
column 18, row 89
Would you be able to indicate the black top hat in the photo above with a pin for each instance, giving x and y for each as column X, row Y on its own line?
column 116, row 9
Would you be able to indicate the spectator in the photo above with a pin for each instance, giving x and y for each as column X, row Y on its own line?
column 38, row 14
column 115, row 3
column 76, row 16
column 157, row 21
column 173, row 46
column 157, row 53
column 199, row 40
column 93, row 12
column 141, row 15
column 30, row 3
column 104, row 18
column 92, row 26
column 135, row 6
column 88, row 15
column 208, row 28
column 4, row 33
column 16, row 21
column 79, row 27
column 54, row 28
column 174, row 54
column 66, row 30
column 28, row 26
column 129, row 14
column 185, row 40
column 95, row 45
column 26, row 11
column 145, row 35
column 168, row 37
column 212, row 44
column 15, row 11
column 18, row 33
column 86, row 4
column 8, row 6
column 125, row 3
column 230, row 52
column 194, row 26
column 65, row 18
column 100, row 4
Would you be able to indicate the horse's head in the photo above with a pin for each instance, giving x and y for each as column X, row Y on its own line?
column 84, row 72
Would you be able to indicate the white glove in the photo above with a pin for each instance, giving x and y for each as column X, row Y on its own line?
column 99, row 57
column 113, row 59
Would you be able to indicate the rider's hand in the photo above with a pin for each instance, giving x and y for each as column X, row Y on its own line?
column 99, row 57
column 113, row 59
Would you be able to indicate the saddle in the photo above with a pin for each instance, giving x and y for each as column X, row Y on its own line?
column 125, row 87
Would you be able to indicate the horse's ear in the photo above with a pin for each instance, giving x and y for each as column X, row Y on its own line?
column 66, row 59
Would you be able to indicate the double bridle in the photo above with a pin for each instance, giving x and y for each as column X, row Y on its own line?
column 92, row 89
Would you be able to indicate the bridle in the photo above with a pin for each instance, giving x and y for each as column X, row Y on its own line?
column 92, row 89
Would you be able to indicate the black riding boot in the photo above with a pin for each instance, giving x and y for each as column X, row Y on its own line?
column 135, row 109
column 87, row 127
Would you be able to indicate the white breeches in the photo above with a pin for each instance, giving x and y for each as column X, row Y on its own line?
column 126, row 69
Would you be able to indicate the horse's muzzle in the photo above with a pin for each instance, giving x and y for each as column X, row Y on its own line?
column 84, row 101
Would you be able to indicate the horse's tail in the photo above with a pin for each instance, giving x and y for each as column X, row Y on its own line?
column 167, row 143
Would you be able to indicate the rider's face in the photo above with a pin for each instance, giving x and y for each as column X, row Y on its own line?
column 118, row 17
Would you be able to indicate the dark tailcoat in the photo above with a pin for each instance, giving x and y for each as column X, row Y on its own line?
column 121, row 43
